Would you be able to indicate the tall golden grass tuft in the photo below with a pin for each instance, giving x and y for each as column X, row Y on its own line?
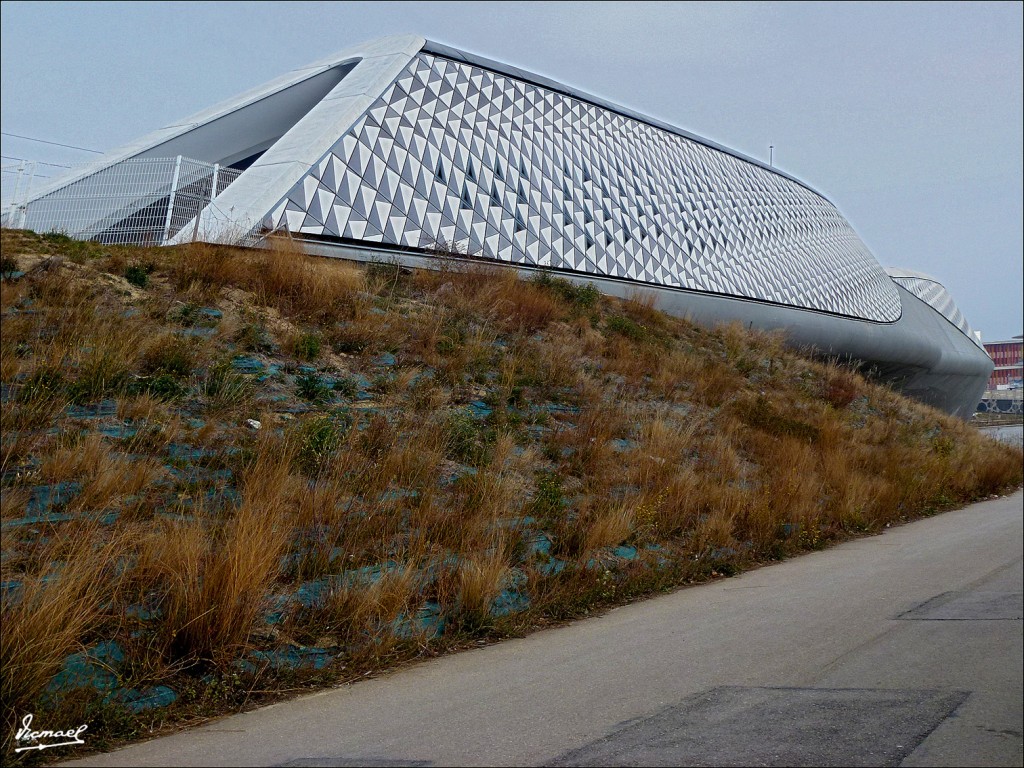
column 641, row 306
column 611, row 527
column 216, row 574
column 205, row 268
column 675, row 373
column 361, row 611
column 523, row 305
column 664, row 440
column 841, row 386
column 480, row 580
column 285, row 277
column 104, row 474
column 715, row 527
column 49, row 616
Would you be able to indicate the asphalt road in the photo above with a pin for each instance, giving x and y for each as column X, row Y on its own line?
column 899, row 649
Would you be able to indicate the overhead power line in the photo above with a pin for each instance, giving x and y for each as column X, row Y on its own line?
column 36, row 175
column 37, row 162
column 54, row 143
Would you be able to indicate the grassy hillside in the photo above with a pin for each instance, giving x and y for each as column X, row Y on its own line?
column 229, row 474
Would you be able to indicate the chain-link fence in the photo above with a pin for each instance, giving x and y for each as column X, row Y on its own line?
column 144, row 201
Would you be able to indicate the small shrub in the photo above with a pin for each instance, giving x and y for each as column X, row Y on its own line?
column 312, row 387
column 254, row 337
column 350, row 346
column 76, row 250
column 580, row 296
column 842, row 387
column 319, row 438
column 138, row 275
column 186, row 315
column 190, row 315
column 164, row 386
column 8, row 264
column 347, row 339
column 549, row 498
column 447, row 345
column 224, row 387
column 104, row 371
column 307, row 346
column 168, row 353
column 386, row 276
column 382, row 383
column 466, row 438
column 626, row 327
column 943, row 444
column 44, row 383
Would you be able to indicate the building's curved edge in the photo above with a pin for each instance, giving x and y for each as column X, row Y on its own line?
column 932, row 292
column 922, row 354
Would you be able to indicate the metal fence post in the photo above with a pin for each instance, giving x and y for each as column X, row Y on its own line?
column 204, row 203
column 22, row 210
column 15, row 196
column 170, row 201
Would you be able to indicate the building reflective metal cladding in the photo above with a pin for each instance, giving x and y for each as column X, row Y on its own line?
column 402, row 144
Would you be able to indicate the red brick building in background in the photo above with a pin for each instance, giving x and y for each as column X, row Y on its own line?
column 1007, row 356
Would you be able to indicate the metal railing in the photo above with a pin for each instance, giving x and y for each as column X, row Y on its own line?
column 142, row 201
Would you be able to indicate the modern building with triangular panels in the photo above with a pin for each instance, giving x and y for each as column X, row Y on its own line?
column 397, row 147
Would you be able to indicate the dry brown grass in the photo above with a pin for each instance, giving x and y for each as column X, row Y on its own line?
column 203, row 269
column 20, row 428
column 680, row 502
column 142, row 408
column 217, row 592
column 284, row 277
column 480, row 579
column 522, row 306
column 361, row 611
column 213, row 575
column 675, row 373
column 714, row 531
column 611, row 527
column 281, row 276
column 642, row 306
column 588, row 445
column 841, row 386
column 48, row 618
column 739, row 452
column 105, row 475
column 665, row 440
column 13, row 502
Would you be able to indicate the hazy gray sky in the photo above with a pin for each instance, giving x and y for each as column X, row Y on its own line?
column 907, row 116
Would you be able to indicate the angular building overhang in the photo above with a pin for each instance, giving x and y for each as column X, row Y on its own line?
column 402, row 144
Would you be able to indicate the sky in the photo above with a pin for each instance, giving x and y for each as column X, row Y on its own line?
column 907, row 116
